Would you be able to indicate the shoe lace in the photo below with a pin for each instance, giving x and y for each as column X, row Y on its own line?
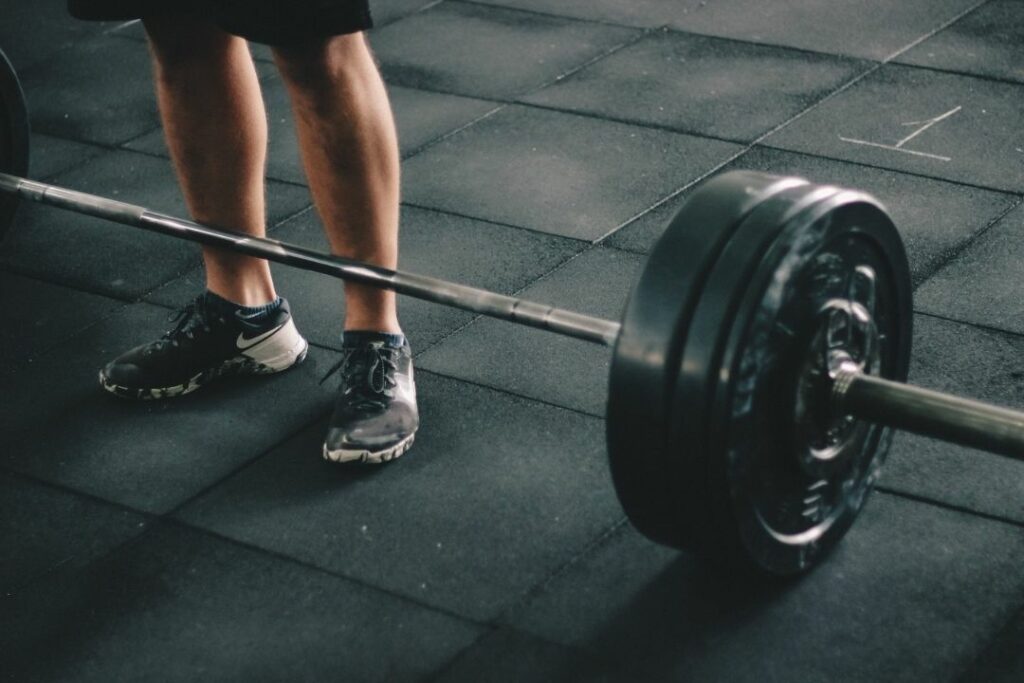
column 367, row 375
column 189, row 320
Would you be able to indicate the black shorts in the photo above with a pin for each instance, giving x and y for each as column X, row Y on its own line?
column 275, row 22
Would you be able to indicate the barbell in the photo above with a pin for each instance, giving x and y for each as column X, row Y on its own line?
column 757, row 374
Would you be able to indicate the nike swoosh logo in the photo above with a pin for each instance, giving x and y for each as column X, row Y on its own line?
column 243, row 343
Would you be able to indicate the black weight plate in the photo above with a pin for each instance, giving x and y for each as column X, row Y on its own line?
column 654, row 327
column 775, row 508
column 698, row 371
column 14, row 134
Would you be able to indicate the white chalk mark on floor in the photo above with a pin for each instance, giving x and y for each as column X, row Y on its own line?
column 894, row 148
column 898, row 147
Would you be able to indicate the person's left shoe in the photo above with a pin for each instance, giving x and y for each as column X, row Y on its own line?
column 375, row 415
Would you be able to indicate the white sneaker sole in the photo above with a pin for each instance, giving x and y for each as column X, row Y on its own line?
column 363, row 455
column 278, row 353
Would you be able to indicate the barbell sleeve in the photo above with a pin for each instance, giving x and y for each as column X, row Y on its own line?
column 482, row 301
column 930, row 413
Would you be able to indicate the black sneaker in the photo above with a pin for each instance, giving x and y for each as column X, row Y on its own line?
column 211, row 340
column 375, row 415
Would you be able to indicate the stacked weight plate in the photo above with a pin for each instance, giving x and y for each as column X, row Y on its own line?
column 717, row 440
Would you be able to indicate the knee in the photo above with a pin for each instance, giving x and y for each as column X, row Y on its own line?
column 311, row 70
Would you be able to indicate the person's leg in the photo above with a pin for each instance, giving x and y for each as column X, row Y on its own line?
column 216, row 131
column 350, row 152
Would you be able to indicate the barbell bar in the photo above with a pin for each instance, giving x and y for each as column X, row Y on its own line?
column 757, row 373
column 854, row 393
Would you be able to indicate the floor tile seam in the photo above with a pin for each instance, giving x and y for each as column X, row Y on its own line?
column 267, row 178
column 172, row 511
column 757, row 141
column 319, row 414
column 952, row 507
column 512, row 394
column 492, row 221
column 119, row 305
column 872, row 68
column 493, row 629
column 86, row 37
column 335, row 574
column 584, row 244
column 499, row 105
column 554, row 15
column 78, row 493
column 443, row 668
column 112, row 146
column 967, row 674
column 865, row 164
column 587, row 550
column 961, row 247
column 760, row 141
column 121, row 147
column 105, row 556
column 955, row 72
column 101, row 148
column 611, row 118
column 782, row 47
column 970, row 323
column 600, row 241
column 640, row 35
column 149, row 521
column 515, row 294
column 199, row 265
column 83, row 287
column 941, row 27
column 424, row 8
column 444, row 136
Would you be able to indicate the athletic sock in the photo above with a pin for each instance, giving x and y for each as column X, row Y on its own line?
column 363, row 337
column 251, row 314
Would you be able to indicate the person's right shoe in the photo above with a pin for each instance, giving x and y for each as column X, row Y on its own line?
column 212, row 339
column 375, row 414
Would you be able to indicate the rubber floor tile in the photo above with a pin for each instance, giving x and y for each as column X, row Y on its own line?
column 701, row 85
column 33, row 31
column 179, row 605
column 556, row 172
column 98, row 255
column 986, row 42
column 39, row 316
column 983, row 285
column 496, row 494
column 934, row 217
column 498, row 53
column 97, row 91
column 535, row 363
column 912, row 593
column 936, row 124
column 506, row 655
column 975, row 363
column 50, row 155
column 43, row 529
column 873, row 29
column 149, row 455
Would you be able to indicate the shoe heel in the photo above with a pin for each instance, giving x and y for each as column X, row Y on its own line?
column 281, row 351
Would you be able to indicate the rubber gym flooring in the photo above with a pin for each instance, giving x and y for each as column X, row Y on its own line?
column 545, row 144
